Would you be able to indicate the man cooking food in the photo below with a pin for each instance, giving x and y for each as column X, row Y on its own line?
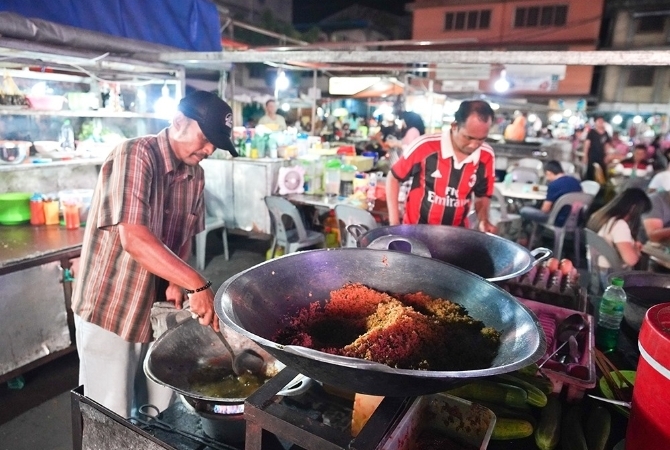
column 148, row 205
column 447, row 169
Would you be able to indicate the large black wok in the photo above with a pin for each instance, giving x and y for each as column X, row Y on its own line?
column 643, row 290
column 489, row 256
column 258, row 301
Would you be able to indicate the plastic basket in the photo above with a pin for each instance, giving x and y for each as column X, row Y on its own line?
column 575, row 379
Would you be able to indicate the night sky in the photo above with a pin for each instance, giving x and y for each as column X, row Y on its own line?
column 310, row 11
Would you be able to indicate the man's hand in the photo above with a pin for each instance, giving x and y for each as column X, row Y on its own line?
column 202, row 304
column 487, row 227
column 175, row 294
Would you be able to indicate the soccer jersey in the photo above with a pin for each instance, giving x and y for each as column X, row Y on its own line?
column 442, row 187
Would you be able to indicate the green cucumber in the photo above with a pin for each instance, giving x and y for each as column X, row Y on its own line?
column 506, row 429
column 493, row 392
column 572, row 432
column 547, row 432
column 598, row 428
column 535, row 396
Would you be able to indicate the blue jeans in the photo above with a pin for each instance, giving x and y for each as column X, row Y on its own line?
column 533, row 214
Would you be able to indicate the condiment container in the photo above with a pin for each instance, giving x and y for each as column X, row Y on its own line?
column 331, row 177
column 51, row 210
column 71, row 215
column 649, row 423
column 347, row 175
column 36, row 210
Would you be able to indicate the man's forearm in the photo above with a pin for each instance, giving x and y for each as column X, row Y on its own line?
column 392, row 190
column 482, row 205
column 659, row 235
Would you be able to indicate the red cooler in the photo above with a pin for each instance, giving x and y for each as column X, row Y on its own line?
column 649, row 423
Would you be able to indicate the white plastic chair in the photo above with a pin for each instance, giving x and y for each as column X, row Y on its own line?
column 568, row 167
column 501, row 218
column 590, row 187
column 294, row 238
column 532, row 163
column 213, row 221
column 578, row 202
column 597, row 246
column 525, row 175
column 351, row 215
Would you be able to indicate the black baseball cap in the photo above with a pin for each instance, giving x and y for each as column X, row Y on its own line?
column 214, row 116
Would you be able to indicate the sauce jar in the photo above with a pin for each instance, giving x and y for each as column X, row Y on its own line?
column 37, row 210
column 51, row 211
column 71, row 215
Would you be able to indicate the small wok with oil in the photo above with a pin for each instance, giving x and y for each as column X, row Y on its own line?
column 190, row 356
column 258, row 302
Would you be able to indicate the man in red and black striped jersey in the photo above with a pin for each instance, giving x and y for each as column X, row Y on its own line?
column 446, row 169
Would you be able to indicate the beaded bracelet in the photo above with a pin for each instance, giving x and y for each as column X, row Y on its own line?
column 206, row 286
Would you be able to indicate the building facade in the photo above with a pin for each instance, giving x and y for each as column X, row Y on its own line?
column 639, row 25
column 511, row 25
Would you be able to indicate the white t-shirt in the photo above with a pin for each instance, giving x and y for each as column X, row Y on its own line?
column 661, row 181
column 276, row 124
column 614, row 232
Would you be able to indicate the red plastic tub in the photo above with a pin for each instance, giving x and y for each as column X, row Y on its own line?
column 649, row 423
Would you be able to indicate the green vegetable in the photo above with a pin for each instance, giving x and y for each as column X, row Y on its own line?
column 506, row 429
column 598, row 428
column 572, row 432
column 535, row 396
column 490, row 391
column 543, row 384
column 529, row 371
column 547, row 433
column 506, row 412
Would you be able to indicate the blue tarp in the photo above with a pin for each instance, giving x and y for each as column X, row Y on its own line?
column 186, row 24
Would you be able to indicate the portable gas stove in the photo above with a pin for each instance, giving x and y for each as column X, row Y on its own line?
column 313, row 420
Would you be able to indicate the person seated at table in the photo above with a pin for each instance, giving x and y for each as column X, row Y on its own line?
column 618, row 222
column 618, row 150
column 660, row 182
column 635, row 166
column 657, row 221
column 558, row 185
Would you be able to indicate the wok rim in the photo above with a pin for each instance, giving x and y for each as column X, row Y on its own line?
column 362, row 364
column 519, row 248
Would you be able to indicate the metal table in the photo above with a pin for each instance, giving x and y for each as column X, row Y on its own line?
column 35, row 291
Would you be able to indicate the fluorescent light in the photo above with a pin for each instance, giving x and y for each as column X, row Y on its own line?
column 502, row 84
column 637, row 119
column 285, row 106
column 616, row 120
column 282, row 81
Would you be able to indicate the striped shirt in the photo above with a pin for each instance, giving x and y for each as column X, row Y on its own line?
column 441, row 186
column 142, row 183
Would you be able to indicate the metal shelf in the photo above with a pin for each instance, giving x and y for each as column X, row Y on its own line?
column 68, row 113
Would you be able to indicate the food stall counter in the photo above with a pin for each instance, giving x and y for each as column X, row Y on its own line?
column 35, row 289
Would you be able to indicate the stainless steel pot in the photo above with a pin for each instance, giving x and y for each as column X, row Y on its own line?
column 259, row 302
column 489, row 256
column 14, row 152
column 643, row 290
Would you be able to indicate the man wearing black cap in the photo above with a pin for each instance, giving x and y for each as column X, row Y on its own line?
column 147, row 206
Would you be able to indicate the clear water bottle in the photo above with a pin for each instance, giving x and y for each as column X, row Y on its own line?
column 610, row 313
column 66, row 137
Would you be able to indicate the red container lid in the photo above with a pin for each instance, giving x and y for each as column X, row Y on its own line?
column 654, row 336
